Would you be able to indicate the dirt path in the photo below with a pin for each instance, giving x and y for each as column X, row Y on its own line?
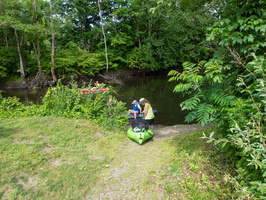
column 137, row 172
column 170, row 131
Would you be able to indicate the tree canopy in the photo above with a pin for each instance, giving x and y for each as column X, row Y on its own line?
column 144, row 35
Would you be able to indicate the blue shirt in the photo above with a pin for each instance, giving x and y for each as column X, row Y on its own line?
column 136, row 108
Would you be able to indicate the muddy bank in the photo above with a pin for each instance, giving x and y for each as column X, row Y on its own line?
column 111, row 77
column 45, row 81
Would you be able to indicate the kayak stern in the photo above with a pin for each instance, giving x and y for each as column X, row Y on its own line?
column 140, row 136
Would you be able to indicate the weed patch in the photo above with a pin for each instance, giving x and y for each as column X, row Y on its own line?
column 197, row 170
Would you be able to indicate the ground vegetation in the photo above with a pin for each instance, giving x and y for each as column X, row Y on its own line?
column 229, row 89
column 54, row 157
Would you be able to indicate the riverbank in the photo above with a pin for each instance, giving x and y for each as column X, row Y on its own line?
column 111, row 77
column 155, row 88
column 75, row 159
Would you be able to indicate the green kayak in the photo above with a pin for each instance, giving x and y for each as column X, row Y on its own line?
column 139, row 135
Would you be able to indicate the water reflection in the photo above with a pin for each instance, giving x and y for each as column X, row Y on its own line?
column 26, row 96
column 159, row 92
column 155, row 88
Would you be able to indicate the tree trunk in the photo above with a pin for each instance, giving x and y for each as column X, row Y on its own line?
column 105, row 44
column 36, row 45
column 35, row 5
column 52, row 59
column 21, row 64
column 53, row 44
column 38, row 56
column 138, row 35
column 5, row 35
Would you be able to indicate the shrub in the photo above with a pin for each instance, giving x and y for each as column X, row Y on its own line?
column 101, row 107
column 237, row 105
column 11, row 107
column 69, row 102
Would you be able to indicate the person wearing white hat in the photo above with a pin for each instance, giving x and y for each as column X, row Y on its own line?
column 148, row 112
column 136, row 108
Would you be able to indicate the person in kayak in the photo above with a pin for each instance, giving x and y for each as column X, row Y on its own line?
column 136, row 108
column 148, row 112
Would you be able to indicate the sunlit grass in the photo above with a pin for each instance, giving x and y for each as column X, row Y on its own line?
column 44, row 158
column 197, row 170
column 58, row 158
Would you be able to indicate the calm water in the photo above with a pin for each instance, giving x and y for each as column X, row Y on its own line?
column 155, row 89
column 159, row 92
column 26, row 96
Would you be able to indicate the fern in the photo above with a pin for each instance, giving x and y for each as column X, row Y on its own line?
column 188, row 65
column 190, row 103
column 192, row 67
column 173, row 73
column 190, row 79
column 202, row 63
column 183, row 88
column 223, row 99
column 174, row 78
column 191, row 116
column 204, row 112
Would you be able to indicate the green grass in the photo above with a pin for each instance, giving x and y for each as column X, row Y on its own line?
column 58, row 158
column 200, row 171
column 44, row 158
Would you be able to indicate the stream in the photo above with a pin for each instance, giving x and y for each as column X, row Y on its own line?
column 156, row 89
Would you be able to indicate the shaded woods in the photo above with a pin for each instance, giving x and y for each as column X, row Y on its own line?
column 43, row 41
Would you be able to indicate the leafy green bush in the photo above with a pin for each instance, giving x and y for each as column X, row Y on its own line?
column 230, row 90
column 203, row 82
column 11, row 107
column 101, row 107
column 239, row 111
column 3, row 71
column 69, row 102
column 73, row 60
column 8, row 62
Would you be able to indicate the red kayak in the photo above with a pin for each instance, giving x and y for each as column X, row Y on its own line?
column 87, row 91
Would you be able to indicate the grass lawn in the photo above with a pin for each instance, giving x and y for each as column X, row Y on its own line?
column 52, row 158
column 58, row 158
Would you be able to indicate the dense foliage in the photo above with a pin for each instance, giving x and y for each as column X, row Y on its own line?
column 69, row 102
column 220, row 43
column 65, row 36
column 229, row 89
